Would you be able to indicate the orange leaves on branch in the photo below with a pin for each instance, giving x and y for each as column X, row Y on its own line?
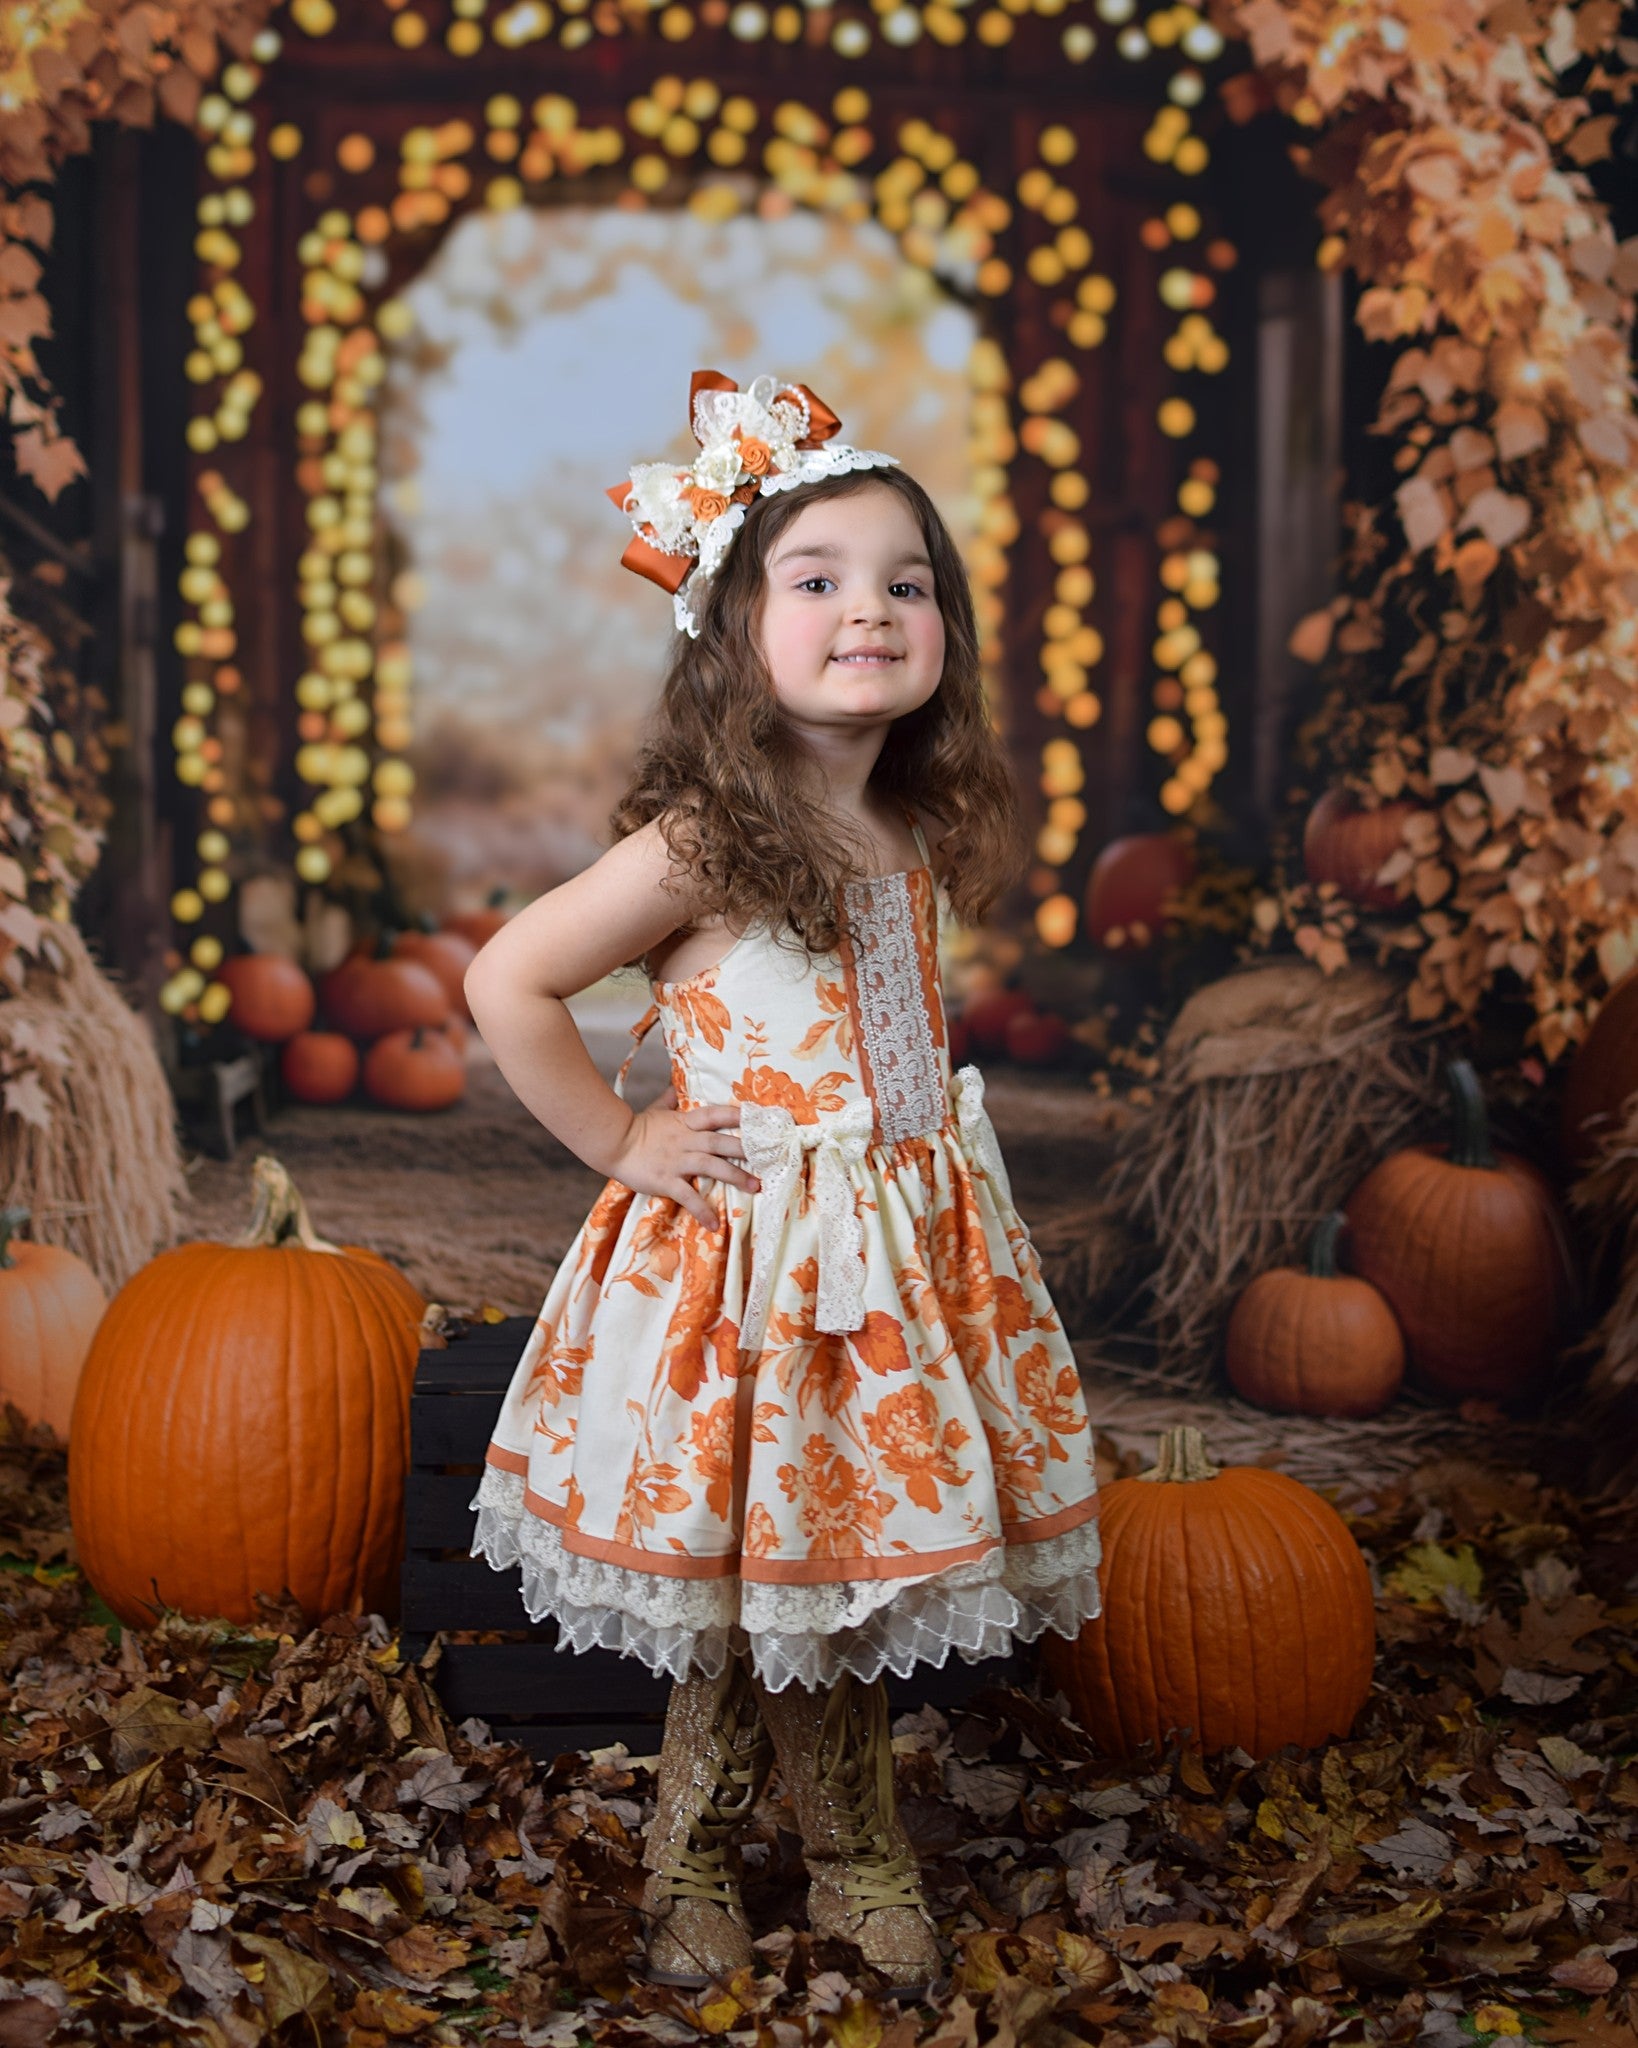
column 1480, row 662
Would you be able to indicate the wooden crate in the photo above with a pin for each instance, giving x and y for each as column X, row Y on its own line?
column 525, row 1688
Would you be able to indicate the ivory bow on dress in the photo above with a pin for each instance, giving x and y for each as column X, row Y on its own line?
column 774, row 1142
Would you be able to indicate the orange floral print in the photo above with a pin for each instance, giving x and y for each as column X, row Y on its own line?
column 905, row 1429
column 828, row 1373
column 699, row 1012
column 835, row 1020
column 713, row 1435
column 697, row 1335
column 836, row 1510
column 574, row 1504
column 1053, row 1397
column 602, row 1228
column 761, row 1538
column 880, row 1344
column 782, row 1091
column 558, row 1372
column 1019, row 1460
column 649, row 1492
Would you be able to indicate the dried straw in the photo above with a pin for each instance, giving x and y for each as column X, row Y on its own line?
column 1606, row 1197
column 1348, row 1457
column 1278, row 1088
column 104, row 1177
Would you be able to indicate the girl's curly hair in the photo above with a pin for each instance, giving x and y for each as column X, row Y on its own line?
column 720, row 764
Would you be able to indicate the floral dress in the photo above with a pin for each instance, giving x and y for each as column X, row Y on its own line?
column 842, row 1429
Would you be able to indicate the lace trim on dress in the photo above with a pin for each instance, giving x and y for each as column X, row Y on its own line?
column 793, row 1635
column 893, row 1020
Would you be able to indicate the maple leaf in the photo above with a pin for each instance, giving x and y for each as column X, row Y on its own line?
column 26, row 1097
column 292, row 1985
column 53, row 462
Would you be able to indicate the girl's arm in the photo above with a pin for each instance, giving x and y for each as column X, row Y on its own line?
column 564, row 941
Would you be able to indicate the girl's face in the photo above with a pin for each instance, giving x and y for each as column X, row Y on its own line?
column 851, row 629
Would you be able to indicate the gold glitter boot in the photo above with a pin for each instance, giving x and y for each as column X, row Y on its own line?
column 836, row 1757
column 714, row 1762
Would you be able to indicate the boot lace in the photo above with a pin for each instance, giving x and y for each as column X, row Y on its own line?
column 854, row 1762
column 724, row 1788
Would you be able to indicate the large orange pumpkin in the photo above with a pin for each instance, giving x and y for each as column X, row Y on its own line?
column 1468, row 1248
column 1315, row 1343
column 50, row 1305
column 272, row 997
column 242, row 1424
column 1346, row 844
column 1130, row 881
column 447, row 954
column 1235, row 1605
column 1603, row 1073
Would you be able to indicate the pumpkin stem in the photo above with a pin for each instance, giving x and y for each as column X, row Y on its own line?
column 1470, row 1145
column 11, row 1221
column 1322, row 1247
column 280, row 1215
column 1182, row 1456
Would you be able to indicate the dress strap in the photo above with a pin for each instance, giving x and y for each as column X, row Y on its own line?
column 639, row 1032
column 915, row 827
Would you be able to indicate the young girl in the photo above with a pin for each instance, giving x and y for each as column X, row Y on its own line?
column 797, row 1409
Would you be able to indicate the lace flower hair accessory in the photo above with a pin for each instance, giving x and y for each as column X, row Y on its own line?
column 770, row 437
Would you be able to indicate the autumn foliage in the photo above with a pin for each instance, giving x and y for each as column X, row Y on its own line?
column 1482, row 657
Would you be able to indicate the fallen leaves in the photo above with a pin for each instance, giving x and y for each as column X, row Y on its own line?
column 303, row 1849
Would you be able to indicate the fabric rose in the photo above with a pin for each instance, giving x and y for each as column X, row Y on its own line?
column 754, row 455
column 708, row 505
column 717, row 468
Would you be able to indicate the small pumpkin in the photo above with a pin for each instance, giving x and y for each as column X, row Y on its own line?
column 480, row 926
column 1346, row 844
column 1315, row 1343
column 242, row 1424
column 988, row 1017
column 447, row 954
column 1236, row 1605
column 272, row 996
column 1037, row 1039
column 1467, row 1246
column 1131, row 879
column 370, row 994
column 1603, row 1073
column 419, row 1070
column 319, row 1066
column 50, row 1305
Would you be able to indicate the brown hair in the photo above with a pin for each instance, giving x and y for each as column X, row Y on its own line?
column 720, row 764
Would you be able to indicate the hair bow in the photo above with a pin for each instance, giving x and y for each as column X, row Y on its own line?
column 769, row 437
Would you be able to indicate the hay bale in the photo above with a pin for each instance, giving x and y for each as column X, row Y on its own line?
column 1605, row 1197
column 1279, row 1086
column 103, row 1176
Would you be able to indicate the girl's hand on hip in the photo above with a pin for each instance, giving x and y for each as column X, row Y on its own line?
column 666, row 1150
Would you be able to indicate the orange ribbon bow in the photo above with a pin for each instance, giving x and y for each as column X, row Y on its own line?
column 668, row 571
